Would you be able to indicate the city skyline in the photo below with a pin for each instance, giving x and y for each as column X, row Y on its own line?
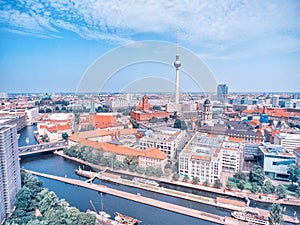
column 47, row 46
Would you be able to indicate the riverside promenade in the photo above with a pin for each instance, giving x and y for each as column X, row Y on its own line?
column 223, row 203
column 152, row 202
column 234, row 193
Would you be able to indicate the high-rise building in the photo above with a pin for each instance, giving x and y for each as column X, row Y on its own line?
column 275, row 100
column 222, row 93
column 10, row 178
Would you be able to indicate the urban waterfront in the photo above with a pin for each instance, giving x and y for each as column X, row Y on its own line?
column 80, row 197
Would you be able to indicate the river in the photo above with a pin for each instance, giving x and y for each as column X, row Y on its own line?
column 80, row 197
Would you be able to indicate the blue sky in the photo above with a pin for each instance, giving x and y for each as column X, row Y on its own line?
column 47, row 45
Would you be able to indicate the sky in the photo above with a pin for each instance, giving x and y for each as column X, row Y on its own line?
column 49, row 45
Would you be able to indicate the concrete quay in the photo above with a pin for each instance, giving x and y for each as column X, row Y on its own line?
column 239, row 194
column 152, row 202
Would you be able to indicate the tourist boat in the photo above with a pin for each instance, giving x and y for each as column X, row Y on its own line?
column 27, row 140
column 123, row 219
column 251, row 217
column 145, row 181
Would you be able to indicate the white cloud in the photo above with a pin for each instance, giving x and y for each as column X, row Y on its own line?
column 219, row 28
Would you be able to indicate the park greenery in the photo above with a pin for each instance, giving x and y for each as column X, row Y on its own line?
column 180, row 124
column 108, row 159
column 257, row 183
column 276, row 217
column 36, row 205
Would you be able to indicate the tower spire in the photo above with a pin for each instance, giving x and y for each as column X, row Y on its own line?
column 177, row 64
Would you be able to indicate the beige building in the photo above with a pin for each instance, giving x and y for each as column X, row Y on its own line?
column 168, row 140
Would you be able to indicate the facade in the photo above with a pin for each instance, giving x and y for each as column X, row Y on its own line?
column 206, row 115
column 297, row 155
column 275, row 101
column 201, row 157
column 19, row 120
column 276, row 160
column 168, row 140
column 143, row 112
column 232, row 154
column 10, row 178
column 32, row 114
column 289, row 141
column 222, row 93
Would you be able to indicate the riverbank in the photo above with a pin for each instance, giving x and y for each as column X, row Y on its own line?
column 218, row 202
column 152, row 202
column 234, row 193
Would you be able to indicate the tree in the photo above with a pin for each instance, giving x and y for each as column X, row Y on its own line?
column 48, row 110
column 65, row 136
column 153, row 120
column 276, row 217
column 186, row 178
column 268, row 187
column 206, row 183
column 140, row 170
column 255, row 188
column 257, row 175
column 280, row 191
column 23, row 199
column 158, row 172
column 229, row 185
column 150, row 170
column 240, row 176
column 218, row 183
column 241, row 184
column 180, row 124
column 175, row 176
column 86, row 219
column 195, row 180
column 297, row 191
column 294, row 173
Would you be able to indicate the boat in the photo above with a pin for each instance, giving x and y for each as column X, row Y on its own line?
column 27, row 140
column 145, row 181
column 123, row 219
column 250, row 217
column 18, row 135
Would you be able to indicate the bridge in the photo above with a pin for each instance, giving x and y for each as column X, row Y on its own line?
column 39, row 148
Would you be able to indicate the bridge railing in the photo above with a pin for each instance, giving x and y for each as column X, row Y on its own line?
column 45, row 146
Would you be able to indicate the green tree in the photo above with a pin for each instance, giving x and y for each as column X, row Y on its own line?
column 268, row 187
column 23, row 199
column 140, row 170
column 86, row 219
column 255, row 188
column 229, row 185
column 158, row 172
column 150, row 171
column 257, row 175
column 280, row 191
column 195, row 180
column 186, row 178
column 177, row 124
column 153, row 120
column 276, row 217
column 294, row 173
column 206, row 183
column 65, row 136
column 175, row 176
column 297, row 191
column 241, row 184
column 240, row 176
column 218, row 183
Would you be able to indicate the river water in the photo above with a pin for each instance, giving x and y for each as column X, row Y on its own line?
column 80, row 197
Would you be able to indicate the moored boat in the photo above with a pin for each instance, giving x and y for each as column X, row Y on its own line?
column 250, row 217
column 123, row 219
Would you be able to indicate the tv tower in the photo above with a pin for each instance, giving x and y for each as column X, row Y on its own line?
column 177, row 64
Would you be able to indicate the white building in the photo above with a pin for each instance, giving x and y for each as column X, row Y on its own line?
column 32, row 114
column 275, row 100
column 289, row 141
column 201, row 157
column 168, row 140
column 276, row 161
column 10, row 178
column 231, row 154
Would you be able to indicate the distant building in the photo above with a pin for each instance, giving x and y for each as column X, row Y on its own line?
column 10, row 178
column 276, row 160
column 222, row 93
column 143, row 112
column 32, row 114
column 3, row 95
column 289, row 141
column 241, row 129
column 206, row 115
column 275, row 101
column 168, row 140
column 297, row 154
column 232, row 154
column 19, row 120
